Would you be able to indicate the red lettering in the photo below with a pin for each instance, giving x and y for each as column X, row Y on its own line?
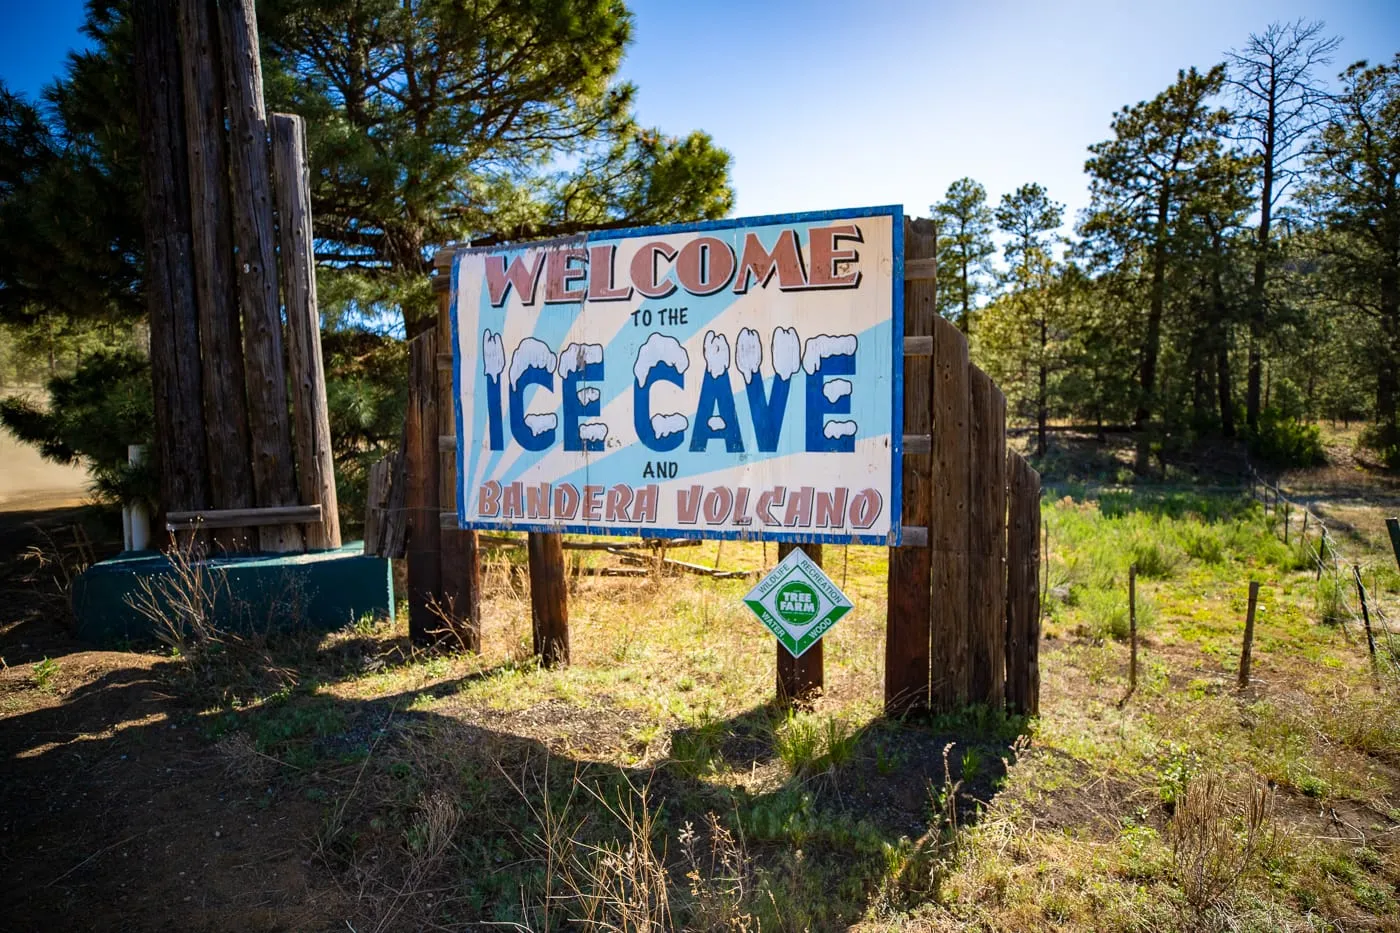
column 537, row 501
column 644, row 277
column 688, row 504
column 767, row 500
column 865, row 508
column 644, row 506
column 601, row 282
column 592, row 503
column 826, row 257
column 619, row 497
column 565, row 501
column 799, row 508
column 717, row 505
column 488, row 499
column 513, row 502
column 785, row 260
column 499, row 279
column 558, row 275
column 831, row 507
column 705, row 265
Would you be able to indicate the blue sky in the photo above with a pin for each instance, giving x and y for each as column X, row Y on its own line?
column 828, row 104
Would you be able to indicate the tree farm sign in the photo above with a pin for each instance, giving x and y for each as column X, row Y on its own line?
column 729, row 379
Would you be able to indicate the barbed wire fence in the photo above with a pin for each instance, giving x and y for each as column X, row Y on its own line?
column 1339, row 575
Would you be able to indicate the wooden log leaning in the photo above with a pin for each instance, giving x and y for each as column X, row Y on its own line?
column 461, row 554
column 315, row 463
column 242, row 518
column 907, row 631
column 176, row 376
column 220, row 332
column 987, row 543
column 949, row 524
column 254, row 237
column 800, row 679
column 1022, row 587
column 423, row 547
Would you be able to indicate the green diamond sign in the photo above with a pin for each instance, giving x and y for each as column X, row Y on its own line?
column 797, row 602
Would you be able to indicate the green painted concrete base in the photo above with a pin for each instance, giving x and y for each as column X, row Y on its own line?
column 263, row 593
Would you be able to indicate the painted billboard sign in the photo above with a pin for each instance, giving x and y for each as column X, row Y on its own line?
column 734, row 379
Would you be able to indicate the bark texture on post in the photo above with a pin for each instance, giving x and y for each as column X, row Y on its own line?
column 908, row 618
column 987, row 543
column 461, row 560
column 801, row 679
column 549, row 598
column 256, row 262
column 949, row 524
column 220, row 333
column 315, row 463
column 176, row 373
column 421, row 492
column 1023, row 587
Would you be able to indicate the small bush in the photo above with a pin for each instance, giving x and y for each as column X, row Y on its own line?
column 1286, row 442
column 1330, row 599
column 1155, row 558
column 1202, row 543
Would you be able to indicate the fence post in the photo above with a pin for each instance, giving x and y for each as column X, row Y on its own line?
column 1392, row 525
column 1132, row 627
column 421, row 480
column 800, row 679
column 1022, row 587
column 987, row 542
column 460, row 561
column 909, row 616
column 1248, row 645
column 1365, row 613
column 949, row 523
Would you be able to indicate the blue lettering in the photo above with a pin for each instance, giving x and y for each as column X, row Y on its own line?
column 716, row 398
column 641, row 408
column 519, row 430
column 818, row 407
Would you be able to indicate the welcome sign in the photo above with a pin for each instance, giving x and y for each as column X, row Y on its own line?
column 733, row 379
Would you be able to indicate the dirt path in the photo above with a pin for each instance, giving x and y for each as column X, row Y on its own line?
column 29, row 482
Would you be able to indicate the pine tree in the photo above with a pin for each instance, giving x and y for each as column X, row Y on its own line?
column 965, row 249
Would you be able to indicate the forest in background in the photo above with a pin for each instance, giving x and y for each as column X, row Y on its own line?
column 1236, row 275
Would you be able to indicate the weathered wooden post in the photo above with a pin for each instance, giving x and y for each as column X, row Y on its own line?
column 176, row 373
column 1023, row 587
column 800, row 679
column 220, row 333
column 1247, row 647
column 421, row 468
column 909, row 614
column 255, row 240
column 314, row 458
column 987, row 542
column 549, row 599
column 461, row 558
column 1365, row 613
column 949, row 523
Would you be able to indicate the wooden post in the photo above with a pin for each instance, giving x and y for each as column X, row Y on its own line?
column 220, row 334
column 1287, row 513
column 1392, row 525
column 549, row 598
column 948, row 527
column 909, row 614
column 1022, row 587
column 421, row 492
column 800, row 679
column 315, row 464
column 176, row 375
column 987, row 542
column 1365, row 613
column 461, row 558
column 255, row 240
column 1248, row 646
column 1132, row 627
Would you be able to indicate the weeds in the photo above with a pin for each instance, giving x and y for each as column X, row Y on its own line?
column 1213, row 846
column 45, row 672
column 811, row 745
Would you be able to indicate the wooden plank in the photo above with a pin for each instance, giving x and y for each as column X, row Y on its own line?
column 987, row 542
column 220, row 333
column 549, row 599
column 920, row 270
column 315, row 462
column 800, row 680
column 1022, row 586
column 948, row 520
column 169, row 277
column 254, row 238
column 907, row 631
column 918, row 346
column 461, row 553
column 423, row 548
column 377, row 488
column 243, row 518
